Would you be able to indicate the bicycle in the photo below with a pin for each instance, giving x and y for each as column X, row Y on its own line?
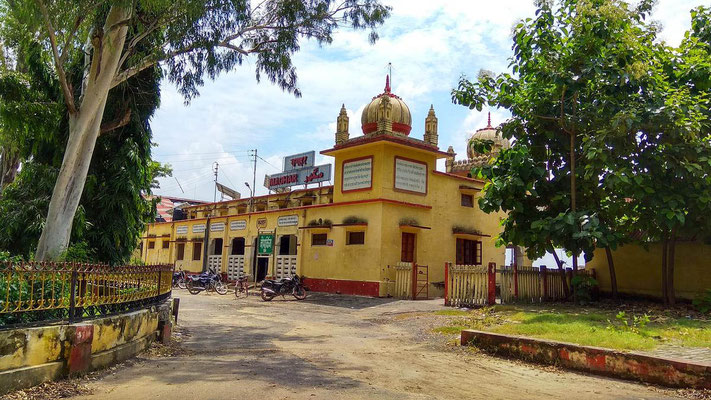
column 242, row 287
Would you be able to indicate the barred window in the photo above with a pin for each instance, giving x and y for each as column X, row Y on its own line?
column 468, row 252
column 319, row 239
column 355, row 238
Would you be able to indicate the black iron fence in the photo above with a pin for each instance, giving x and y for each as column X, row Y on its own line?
column 32, row 293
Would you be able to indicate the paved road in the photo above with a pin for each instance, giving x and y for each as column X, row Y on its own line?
column 336, row 347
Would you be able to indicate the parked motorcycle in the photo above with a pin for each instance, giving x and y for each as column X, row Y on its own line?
column 180, row 278
column 209, row 280
column 294, row 286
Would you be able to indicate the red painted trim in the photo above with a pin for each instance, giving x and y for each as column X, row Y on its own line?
column 358, row 288
column 446, row 283
column 372, row 164
column 387, row 138
column 371, row 127
column 427, row 176
column 491, row 271
column 464, row 178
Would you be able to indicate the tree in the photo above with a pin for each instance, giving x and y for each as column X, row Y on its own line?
column 190, row 39
column 113, row 211
column 665, row 169
column 578, row 67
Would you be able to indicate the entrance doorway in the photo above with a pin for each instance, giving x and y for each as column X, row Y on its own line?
column 261, row 268
column 408, row 247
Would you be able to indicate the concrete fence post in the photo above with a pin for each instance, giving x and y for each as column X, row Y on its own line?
column 80, row 351
column 491, row 298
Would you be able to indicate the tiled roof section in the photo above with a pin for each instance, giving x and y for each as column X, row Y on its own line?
column 164, row 208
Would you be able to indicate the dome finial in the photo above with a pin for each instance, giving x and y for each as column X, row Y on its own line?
column 488, row 124
column 387, row 83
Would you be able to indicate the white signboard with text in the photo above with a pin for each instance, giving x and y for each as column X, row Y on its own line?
column 288, row 220
column 238, row 225
column 200, row 228
column 181, row 229
column 357, row 174
column 410, row 176
column 298, row 161
column 217, row 227
column 298, row 177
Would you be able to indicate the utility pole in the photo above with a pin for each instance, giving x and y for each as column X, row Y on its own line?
column 215, row 168
column 253, row 154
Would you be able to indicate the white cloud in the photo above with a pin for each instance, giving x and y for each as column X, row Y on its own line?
column 430, row 44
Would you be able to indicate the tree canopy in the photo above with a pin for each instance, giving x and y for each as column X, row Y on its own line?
column 189, row 39
column 600, row 110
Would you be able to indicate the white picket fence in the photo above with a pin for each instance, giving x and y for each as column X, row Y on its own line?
column 467, row 285
column 403, row 280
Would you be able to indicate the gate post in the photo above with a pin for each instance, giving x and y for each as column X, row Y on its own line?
column 413, row 280
column 515, row 279
column 544, row 280
column 446, row 283
column 491, row 298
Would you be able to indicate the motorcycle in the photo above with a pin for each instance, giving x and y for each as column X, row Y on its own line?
column 294, row 286
column 209, row 280
column 179, row 279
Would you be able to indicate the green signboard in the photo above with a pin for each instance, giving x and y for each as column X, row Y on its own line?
column 265, row 244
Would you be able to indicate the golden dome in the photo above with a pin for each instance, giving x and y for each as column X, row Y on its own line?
column 487, row 133
column 386, row 107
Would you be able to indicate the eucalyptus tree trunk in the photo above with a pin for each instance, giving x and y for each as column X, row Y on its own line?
column 84, row 127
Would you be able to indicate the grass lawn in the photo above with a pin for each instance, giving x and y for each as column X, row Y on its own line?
column 591, row 326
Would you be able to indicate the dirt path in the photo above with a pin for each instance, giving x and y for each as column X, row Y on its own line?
column 336, row 347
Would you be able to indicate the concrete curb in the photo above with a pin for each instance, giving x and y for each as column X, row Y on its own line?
column 595, row 360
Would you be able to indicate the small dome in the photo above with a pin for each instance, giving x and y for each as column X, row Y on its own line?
column 399, row 112
column 487, row 133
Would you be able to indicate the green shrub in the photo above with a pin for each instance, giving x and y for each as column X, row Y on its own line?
column 354, row 220
column 79, row 252
column 703, row 302
column 634, row 325
column 583, row 288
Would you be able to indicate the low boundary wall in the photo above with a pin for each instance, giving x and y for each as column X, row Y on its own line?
column 30, row 356
column 635, row 366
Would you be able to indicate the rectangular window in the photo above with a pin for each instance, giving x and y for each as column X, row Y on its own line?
column 197, row 251
column 468, row 252
column 151, row 245
column 319, row 239
column 467, row 200
column 355, row 238
column 166, row 244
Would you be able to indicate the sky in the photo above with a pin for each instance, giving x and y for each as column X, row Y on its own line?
column 430, row 43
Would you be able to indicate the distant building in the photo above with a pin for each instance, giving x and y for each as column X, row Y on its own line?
column 388, row 209
column 170, row 208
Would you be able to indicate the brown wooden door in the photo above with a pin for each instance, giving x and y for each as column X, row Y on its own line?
column 408, row 247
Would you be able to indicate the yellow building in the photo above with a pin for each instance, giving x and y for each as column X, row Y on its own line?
column 388, row 207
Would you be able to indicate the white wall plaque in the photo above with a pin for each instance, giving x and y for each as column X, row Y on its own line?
column 238, row 225
column 410, row 176
column 217, row 227
column 288, row 220
column 181, row 229
column 357, row 174
column 200, row 228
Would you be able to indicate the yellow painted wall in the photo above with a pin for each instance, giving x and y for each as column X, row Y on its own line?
column 382, row 206
column 639, row 271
